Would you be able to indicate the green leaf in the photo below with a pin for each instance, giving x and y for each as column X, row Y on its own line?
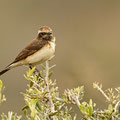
column 31, row 83
column 75, row 117
column 1, row 84
column 52, row 113
column 32, row 105
column 90, row 102
column 25, row 112
column 90, row 110
column 83, row 109
column 31, row 71
column 50, row 74
column 38, row 106
column 25, row 107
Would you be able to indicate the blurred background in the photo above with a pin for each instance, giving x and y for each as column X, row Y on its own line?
column 88, row 44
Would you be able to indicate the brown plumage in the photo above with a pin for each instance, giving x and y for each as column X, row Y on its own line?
column 30, row 49
column 44, row 38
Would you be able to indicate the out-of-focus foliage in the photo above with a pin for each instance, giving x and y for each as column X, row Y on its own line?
column 89, row 111
column 11, row 116
column 2, row 96
column 44, row 103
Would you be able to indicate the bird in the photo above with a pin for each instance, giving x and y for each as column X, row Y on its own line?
column 39, row 50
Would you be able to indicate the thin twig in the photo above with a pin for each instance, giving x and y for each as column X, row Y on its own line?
column 77, row 102
column 10, row 115
column 52, row 107
column 116, row 105
column 99, row 88
column 52, row 67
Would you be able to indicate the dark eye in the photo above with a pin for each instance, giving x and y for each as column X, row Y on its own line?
column 49, row 33
column 43, row 33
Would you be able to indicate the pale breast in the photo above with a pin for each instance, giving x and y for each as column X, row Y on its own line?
column 42, row 55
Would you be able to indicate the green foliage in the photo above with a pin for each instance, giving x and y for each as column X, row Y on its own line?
column 10, row 116
column 87, row 108
column 42, row 100
column 74, row 95
column 2, row 97
column 37, row 98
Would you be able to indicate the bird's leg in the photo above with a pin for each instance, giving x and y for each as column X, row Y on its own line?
column 36, row 70
column 30, row 66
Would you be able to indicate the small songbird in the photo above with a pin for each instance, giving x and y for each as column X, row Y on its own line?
column 39, row 50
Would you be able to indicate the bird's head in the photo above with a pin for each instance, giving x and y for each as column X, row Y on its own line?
column 45, row 33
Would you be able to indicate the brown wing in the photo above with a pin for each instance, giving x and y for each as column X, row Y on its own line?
column 30, row 49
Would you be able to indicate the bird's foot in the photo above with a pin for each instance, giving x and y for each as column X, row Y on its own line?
column 36, row 71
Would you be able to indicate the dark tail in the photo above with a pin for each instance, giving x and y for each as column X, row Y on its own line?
column 3, row 71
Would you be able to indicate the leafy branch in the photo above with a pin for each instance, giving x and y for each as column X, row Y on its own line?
column 42, row 100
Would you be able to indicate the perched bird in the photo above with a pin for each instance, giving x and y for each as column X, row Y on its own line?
column 39, row 50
